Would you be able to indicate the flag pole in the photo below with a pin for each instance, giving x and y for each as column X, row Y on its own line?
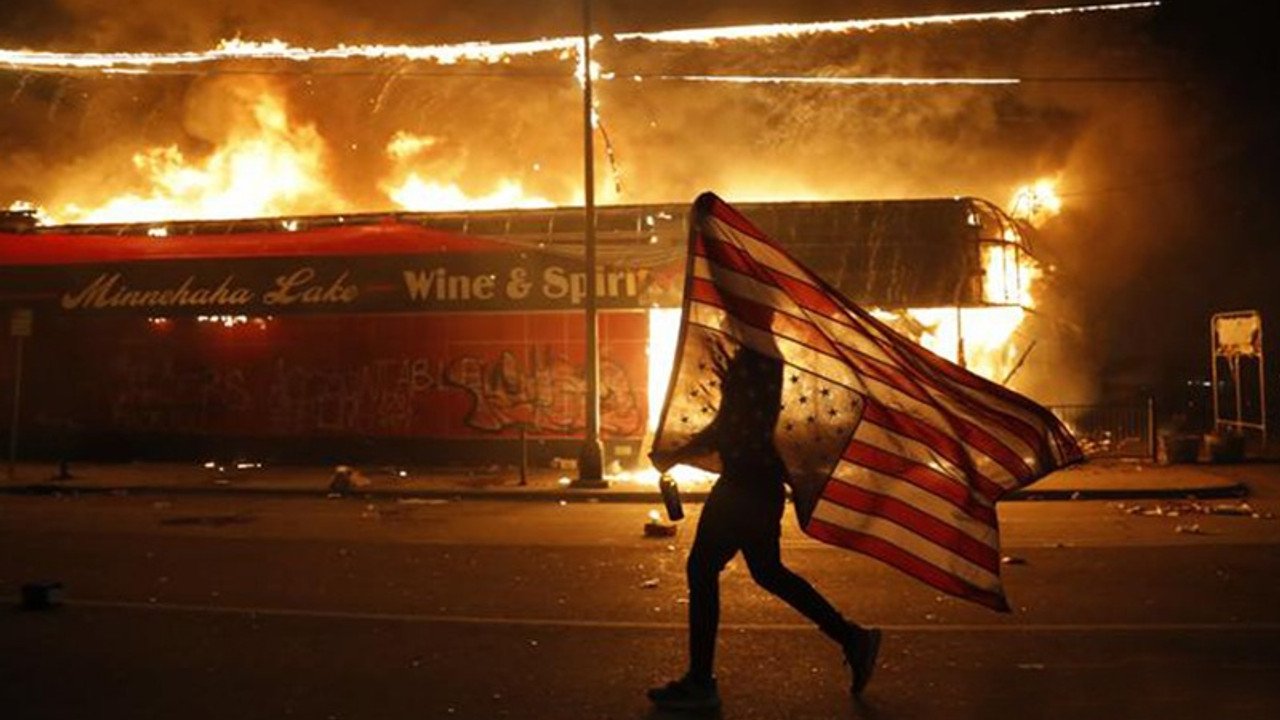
column 591, row 457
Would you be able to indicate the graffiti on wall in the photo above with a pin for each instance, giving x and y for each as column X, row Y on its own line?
column 387, row 396
column 373, row 398
column 163, row 394
column 546, row 393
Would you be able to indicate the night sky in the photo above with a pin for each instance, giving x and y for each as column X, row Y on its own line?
column 1160, row 121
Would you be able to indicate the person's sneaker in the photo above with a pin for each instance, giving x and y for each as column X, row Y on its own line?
column 686, row 694
column 860, row 652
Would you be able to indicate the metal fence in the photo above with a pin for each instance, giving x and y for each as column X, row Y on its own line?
column 1114, row 430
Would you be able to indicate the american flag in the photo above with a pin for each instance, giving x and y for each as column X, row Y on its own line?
column 891, row 450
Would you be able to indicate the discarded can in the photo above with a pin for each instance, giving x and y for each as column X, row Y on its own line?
column 671, row 497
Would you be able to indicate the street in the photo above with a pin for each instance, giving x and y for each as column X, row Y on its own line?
column 257, row 607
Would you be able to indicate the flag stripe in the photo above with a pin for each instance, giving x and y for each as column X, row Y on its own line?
column 896, row 556
column 936, row 555
column 972, row 518
column 930, row 528
column 965, row 434
column 874, row 459
column 762, row 316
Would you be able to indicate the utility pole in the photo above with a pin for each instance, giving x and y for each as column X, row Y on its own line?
column 591, row 458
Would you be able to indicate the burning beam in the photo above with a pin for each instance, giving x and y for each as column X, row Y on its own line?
column 779, row 30
column 812, row 80
column 498, row 53
column 277, row 50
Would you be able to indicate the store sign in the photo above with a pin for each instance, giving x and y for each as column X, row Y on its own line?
column 376, row 283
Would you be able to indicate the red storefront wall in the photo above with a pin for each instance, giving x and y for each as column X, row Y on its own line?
column 438, row 387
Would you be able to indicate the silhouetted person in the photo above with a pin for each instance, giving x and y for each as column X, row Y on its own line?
column 744, row 513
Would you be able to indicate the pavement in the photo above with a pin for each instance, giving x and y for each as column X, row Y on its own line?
column 1094, row 479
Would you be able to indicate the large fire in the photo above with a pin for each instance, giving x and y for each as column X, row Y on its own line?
column 266, row 162
column 265, row 165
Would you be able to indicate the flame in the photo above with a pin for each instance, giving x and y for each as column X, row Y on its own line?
column 417, row 194
column 981, row 339
column 412, row 191
column 664, row 334
column 1009, row 274
column 688, row 477
column 266, row 165
column 1037, row 202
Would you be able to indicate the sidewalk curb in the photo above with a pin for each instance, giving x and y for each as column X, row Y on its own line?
column 1235, row 490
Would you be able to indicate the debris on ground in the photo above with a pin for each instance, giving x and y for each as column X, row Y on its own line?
column 1193, row 507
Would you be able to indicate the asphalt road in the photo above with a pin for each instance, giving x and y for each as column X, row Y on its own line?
column 248, row 607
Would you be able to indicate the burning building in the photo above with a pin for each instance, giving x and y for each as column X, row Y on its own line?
column 432, row 338
column 375, row 309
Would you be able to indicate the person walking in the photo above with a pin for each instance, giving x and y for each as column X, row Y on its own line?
column 743, row 513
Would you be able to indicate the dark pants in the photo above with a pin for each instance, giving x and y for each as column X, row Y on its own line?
column 736, row 519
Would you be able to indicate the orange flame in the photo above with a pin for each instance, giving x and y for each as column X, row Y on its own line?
column 266, row 165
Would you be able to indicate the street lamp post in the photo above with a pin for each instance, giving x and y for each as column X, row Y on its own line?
column 591, row 458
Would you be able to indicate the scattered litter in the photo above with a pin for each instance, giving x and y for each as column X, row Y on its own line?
column 1240, row 508
column 560, row 463
column 422, row 501
column 1191, row 507
column 1192, row 529
column 655, row 527
column 1011, row 560
column 650, row 583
